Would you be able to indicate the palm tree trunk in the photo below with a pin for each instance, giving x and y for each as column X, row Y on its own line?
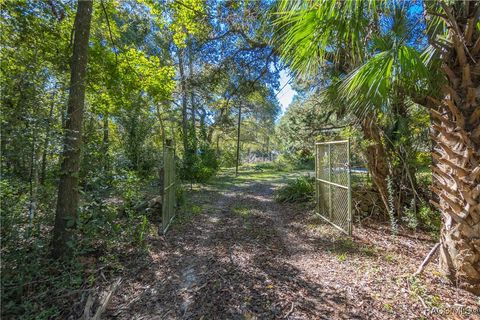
column 67, row 202
column 456, row 134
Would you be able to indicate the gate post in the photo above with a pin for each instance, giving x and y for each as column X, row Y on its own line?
column 349, row 189
column 330, row 179
column 316, row 177
column 169, row 197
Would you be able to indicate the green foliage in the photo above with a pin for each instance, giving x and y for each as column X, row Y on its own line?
column 228, row 156
column 128, row 185
column 411, row 216
column 180, row 195
column 279, row 165
column 299, row 190
column 242, row 211
column 200, row 167
column 423, row 217
column 430, row 219
column 423, row 158
column 32, row 283
column 299, row 128
column 15, row 198
column 187, row 20
column 309, row 32
column 371, row 85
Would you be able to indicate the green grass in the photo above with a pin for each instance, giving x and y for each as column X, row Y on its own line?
column 342, row 257
column 242, row 211
column 250, row 173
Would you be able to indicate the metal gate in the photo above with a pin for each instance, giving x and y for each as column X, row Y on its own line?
column 169, row 186
column 332, row 182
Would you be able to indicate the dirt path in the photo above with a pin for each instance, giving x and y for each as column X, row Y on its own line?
column 244, row 256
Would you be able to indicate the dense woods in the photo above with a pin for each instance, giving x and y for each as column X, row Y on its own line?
column 93, row 91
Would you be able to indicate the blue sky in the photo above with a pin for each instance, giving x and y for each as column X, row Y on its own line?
column 286, row 94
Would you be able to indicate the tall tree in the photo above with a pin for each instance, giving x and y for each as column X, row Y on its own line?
column 310, row 32
column 68, row 194
column 456, row 134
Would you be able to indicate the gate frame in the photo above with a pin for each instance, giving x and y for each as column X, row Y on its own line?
column 169, row 184
column 330, row 184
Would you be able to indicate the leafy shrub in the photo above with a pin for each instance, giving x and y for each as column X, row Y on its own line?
column 283, row 163
column 264, row 166
column 299, row 190
column 423, row 217
column 228, row 156
column 14, row 200
column 306, row 163
column 429, row 218
column 128, row 185
column 199, row 167
column 423, row 159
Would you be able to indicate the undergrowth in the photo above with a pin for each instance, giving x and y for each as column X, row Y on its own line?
column 35, row 286
column 301, row 189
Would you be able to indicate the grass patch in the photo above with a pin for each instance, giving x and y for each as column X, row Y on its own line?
column 346, row 244
column 390, row 257
column 368, row 251
column 242, row 211
column 342, row 256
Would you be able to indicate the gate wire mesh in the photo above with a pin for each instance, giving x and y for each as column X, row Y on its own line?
column 333, row 189
column 169, row 196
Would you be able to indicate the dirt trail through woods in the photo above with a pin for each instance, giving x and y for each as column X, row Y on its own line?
column 244, row 256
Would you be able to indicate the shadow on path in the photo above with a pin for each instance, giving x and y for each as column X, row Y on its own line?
column 247, row 257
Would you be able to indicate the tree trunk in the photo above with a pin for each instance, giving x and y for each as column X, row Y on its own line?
column 33, row 181
column 456, row 134
column 376, row 159
column 106, row 143
column 193, row 133
column 183, row 89
column 399, row 147
column 203, row 125
column 239, row 123
column 67, row 202
column 46, row 142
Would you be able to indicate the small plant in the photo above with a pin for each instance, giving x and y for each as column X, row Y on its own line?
column 242, row 211
column 388, row 307
column 389, row 257
column 368, row 251
column 298, row 190
column 430, row 218
column 196, row 209
column 342, row 257
column 410, row 217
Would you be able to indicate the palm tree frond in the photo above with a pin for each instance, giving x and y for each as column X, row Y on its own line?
column 310, row 31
